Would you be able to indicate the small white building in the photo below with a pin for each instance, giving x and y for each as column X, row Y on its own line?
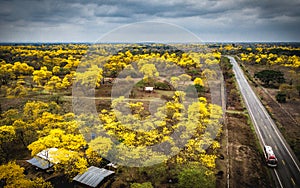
column 149, row 89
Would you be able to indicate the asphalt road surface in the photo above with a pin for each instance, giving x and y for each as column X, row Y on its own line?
column 287, row 173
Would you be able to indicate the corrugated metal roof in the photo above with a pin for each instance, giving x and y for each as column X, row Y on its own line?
column 40, row 163
column 48, row 154
column 93, row 176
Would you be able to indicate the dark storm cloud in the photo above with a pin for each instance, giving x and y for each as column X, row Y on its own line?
column 34, row 10
column 216, row 19
column 270, row 9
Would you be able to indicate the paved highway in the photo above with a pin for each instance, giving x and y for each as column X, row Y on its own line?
column 287, row 173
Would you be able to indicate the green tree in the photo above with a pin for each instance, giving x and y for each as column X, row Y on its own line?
column 287, row 89
column 298, row 89
column 195, row 176
column 281, row 97
column 270, row 78
column 141, row 185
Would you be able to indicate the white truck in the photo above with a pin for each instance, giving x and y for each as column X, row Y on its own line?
column 271, row 159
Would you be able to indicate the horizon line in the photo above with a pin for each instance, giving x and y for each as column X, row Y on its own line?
column 139, row 42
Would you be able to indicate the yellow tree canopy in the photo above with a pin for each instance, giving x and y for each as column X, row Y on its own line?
column 12, row 175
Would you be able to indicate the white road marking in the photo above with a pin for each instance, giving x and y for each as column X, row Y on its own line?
column 293, row 181
column 278, row 178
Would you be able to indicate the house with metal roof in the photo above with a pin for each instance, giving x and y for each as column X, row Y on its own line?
column 44, row 159
column 40, row 163
column 93, row 177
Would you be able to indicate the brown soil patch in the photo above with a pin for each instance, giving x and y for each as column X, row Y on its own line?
column 246, row 163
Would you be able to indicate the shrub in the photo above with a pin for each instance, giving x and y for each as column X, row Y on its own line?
column 270, row 78
column 195, row 177
column 281, row 97
column 161, row 86
column 141, row 185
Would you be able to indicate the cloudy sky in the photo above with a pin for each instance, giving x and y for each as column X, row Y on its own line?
column 89, row 20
